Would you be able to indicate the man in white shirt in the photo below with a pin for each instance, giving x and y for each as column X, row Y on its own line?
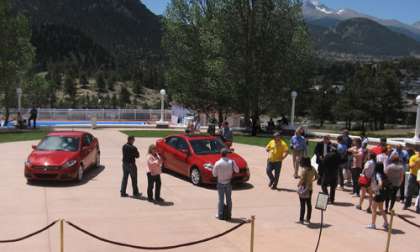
column 223, row 170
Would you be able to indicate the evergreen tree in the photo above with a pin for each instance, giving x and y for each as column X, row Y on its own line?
column 16, row 51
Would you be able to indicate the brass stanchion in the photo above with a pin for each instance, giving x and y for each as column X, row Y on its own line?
column 389, row 230
column 252, row 232
column 61, row 235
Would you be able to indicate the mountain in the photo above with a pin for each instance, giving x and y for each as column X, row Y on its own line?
column 121, row 27
column 362, row 36
column 316, row 13
column 417, row 25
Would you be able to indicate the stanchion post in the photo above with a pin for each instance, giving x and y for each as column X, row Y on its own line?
column 252, row 232
column 389, row 230
column 61, row 235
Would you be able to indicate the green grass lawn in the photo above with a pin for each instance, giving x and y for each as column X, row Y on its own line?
column 22, row 136
column 242, row 139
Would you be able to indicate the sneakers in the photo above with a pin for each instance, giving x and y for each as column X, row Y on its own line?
column 371, row 226
column 124, row 195
column 358, row 207
column 385, row 226
column 369, row 210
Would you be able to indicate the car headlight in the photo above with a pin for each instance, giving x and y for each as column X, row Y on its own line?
column 28, row 163
column 69, row 164
column 208, row 166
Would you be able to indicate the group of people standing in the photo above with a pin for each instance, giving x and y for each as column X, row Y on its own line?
column 154, row 169
column 377, row 174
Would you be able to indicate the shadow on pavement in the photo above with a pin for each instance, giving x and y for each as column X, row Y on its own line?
column 317, row 225
column 343, row 204
column 237, row 220
column 164, row 203
column 286, row 190
column 88, row 176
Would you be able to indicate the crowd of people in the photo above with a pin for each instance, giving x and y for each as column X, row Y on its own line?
column 374, row 174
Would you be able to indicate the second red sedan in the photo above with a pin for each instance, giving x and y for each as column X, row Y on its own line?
column 63, row 155
column 195, row 155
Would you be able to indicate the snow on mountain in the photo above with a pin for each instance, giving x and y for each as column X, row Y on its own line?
column 316, row 12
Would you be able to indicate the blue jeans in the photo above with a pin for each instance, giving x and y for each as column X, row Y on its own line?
column 224, row 190
column 276, row 167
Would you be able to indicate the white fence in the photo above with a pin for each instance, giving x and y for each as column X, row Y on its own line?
column 143, row 115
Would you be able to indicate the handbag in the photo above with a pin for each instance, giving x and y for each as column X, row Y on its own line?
column 303, row 192
column 363, row 180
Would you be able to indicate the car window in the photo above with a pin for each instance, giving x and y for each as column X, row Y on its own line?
column 86, row 140
column 172, row 141
column 59, row 143
column 207, row 146
column 182, row 144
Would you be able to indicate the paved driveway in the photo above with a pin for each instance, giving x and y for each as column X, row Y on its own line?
column 189, row 214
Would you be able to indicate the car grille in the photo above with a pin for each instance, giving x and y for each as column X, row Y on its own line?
column 46, row 176
column 46, row 168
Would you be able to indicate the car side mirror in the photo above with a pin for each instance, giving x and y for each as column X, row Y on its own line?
column 185, row 151
column 34, row 147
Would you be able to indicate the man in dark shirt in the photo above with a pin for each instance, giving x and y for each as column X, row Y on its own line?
column 130, row 154
column 33, row 116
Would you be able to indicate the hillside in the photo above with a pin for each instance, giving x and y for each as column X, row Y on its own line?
column 361, row 36
column 121, row 27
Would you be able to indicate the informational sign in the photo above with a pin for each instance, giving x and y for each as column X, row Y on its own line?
column 322, row 201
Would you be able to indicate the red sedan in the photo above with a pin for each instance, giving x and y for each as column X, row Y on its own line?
column 63, row 155
column 195, row 155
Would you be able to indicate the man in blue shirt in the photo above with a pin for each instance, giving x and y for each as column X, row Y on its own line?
column 298, row 145
column 342, row 151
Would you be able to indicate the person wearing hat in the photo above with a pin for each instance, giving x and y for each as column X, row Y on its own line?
column 223, row 169
column 277, row 151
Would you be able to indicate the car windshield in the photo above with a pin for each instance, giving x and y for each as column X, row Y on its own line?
column 207, row 146
column 59, row 143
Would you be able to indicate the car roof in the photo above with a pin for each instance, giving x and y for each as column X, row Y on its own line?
column 67, row 133
column 193, row 136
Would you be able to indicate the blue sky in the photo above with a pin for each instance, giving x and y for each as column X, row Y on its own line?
column 407, row 11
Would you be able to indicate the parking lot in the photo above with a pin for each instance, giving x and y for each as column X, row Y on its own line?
column 188, row 214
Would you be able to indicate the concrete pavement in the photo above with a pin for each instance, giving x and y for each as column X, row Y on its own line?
column 189, row 214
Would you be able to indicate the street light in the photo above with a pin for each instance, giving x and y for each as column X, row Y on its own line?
column 19, row 96
column 417, row 132
column 162, row 105
column 294, row 94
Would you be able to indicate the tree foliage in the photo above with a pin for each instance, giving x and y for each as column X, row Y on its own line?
column 16, row 51
column 234, row 55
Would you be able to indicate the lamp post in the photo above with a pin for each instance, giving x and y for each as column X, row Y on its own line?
column 294, row 94
column 417, row 132
column 162, row 105
column 19, row 96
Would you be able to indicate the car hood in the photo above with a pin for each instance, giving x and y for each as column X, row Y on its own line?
column 51, row 158
column 213, row 158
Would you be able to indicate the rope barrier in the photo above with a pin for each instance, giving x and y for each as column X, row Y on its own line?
column 30, row 235
column 408, row 221
column 156, row 248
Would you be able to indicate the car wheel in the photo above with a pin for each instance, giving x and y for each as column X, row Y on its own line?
column 29, row 181
column 80, row 174
column 195, row 176
column 98, row 160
